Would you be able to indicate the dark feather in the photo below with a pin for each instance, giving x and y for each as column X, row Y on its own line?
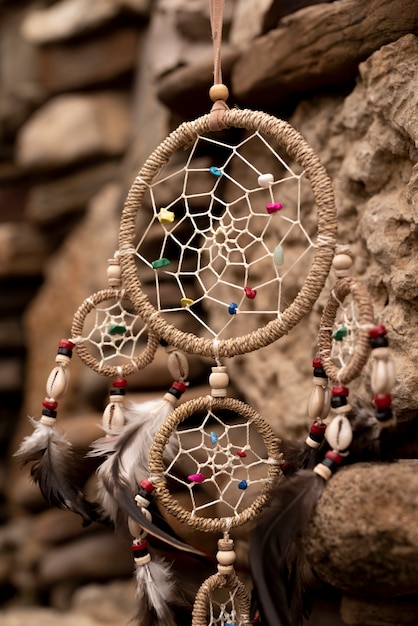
column 54, row 471
column 273, row 543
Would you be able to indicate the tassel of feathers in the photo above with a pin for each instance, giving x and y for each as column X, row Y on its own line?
column 155, row 588
column 127, row 464
column 54, row 469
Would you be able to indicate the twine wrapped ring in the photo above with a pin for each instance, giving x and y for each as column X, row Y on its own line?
column 157, row 466
column 298, row 149
column 343, row 288
column 135, row 363
column 217, row 581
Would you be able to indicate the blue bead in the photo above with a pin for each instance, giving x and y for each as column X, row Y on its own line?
column 215, row 171
column 242, row 484
column 232, row 309
column 214, row 438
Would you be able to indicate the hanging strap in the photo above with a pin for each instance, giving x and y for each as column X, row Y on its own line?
column 218, row 92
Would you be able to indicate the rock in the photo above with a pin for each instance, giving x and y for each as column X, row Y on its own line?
column 95, row 557
column 112, row 603
column 72, row 66
column 52, row 200
column 370, row 611
column 22, row 249
column 21, row 89
column 248, row 22
column 65, row 19
column 74, row 127
column 316, row 47
column 186, row 89
column 363, row 534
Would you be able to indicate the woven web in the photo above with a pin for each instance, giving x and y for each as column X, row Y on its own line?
column 222, row 610
column 222, row 239
column 220, row 464
column 112, row 332
column 345, row 332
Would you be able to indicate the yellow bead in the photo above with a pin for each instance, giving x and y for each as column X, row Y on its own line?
column 218, row 92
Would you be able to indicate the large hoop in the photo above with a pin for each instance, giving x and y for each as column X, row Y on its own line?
column 297, row 147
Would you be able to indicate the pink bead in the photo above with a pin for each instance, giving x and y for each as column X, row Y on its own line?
column 273, row 207
column 196, row 478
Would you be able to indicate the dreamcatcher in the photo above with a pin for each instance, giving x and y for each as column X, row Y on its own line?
column 233, row 257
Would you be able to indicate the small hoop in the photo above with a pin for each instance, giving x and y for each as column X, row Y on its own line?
column 158, row 470
column 135, row 363
column 216, row 581
column 344, row 287
column 297, row 148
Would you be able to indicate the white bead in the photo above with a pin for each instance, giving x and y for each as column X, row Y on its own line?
column 47, row 421
column 265, row 180
column 135, row 529
column 178, row 365
column 339, row 433
column 143, row 560
column 383, row 376
column 113, row 417
column 226, row 557
column 316, row 402
column 342, row 265
column 114, row 273
column 57, row 382
column 62, row 359
column 327, row 404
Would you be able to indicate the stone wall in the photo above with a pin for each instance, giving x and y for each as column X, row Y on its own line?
column 86, row 97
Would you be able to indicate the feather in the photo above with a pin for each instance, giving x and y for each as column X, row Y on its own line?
column 54, row 470
column 156, row 592
column 127, row 464
column 273, row 554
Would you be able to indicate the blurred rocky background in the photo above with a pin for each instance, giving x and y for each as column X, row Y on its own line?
column 88, row 90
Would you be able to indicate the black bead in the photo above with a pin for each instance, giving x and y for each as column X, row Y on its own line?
column 175, row 392
column 379, row 342
column 118, row 391
column 320, row 372
column 317, row 437
column 332, row 465
column 65, row 352
column 145, row 494
column 49, row 413
column 337, row 401
column 384, row 415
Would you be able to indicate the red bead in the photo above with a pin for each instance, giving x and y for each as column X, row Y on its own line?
column 241, row 453
column 334, row 456
column 377, row 331
column 66, row 343
column 316, row 363
column 340, row 391
column 120, row 382
column 250, row 293
column 50, row 404
column 317, row 429
column 382, row 402
column 179, row 386
column 142, row 545
column 146, row 485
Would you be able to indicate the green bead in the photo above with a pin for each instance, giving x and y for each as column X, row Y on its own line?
column 117, row 329
column 340, row 334
column 160, row 263
column 278, row 256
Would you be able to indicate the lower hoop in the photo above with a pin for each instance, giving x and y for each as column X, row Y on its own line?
column 297, row 148
column 136, row 363
column 230, row 582
column 343, row 288
column 157, row 468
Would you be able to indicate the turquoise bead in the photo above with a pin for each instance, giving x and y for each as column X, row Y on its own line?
column 278, row 256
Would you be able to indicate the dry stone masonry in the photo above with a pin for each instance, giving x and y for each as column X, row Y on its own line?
column 86, row 96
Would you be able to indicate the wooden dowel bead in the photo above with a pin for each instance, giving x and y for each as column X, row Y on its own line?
column 383, row 376
column 114, row 274
column 316, row 401
column 219, row 381
column 219, row 91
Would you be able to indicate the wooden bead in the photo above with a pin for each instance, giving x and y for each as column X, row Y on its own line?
column 143, row 560
column 114, row 274
column 316, row 401
column 47, row 421
column 323, row 471
column 218, row 92
column 62, row 359
column 383, row 376
column 342, row 264
column 218, row 381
